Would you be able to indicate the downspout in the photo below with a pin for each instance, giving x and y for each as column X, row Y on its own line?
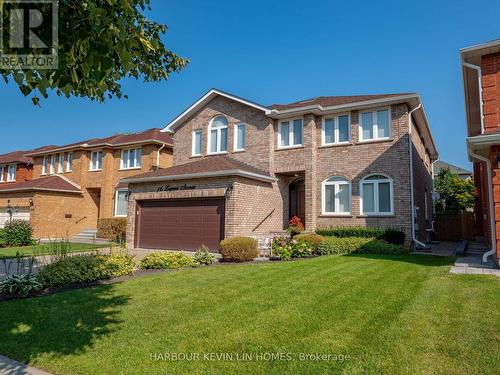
column 158, row 155
column 491, row 205
column 412, row 198
column 480, row 84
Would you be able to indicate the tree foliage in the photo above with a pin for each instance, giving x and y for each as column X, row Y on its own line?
column 100, row 43
column 454, row 192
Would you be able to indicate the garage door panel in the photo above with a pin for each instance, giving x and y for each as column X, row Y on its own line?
column 180, row 224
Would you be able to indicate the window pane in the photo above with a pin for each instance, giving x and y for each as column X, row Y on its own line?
column 377, row 177
column 219, row 121
column 223, row 137
column 121, row 203
column 284, row 133
column 343, row 195
column 138, row 156
column 213, row 141
column 329, row 135
column 383, row 123
column 297, row 132
column 343, row 128
column 367, row 125
column 368, row 198
column 329, row 198
column 384, row 197
column 131, row 158
column 197, row 143
column 69, row 166
column 240, row 144
column 99, row 160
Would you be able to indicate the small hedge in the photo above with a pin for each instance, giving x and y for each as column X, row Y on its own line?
column 347, row 245
column 85, row 268
column 312, row 239
column 390, row 235
column 165, row 260
column 114, row 229
column 18, row 233
column 239, row 249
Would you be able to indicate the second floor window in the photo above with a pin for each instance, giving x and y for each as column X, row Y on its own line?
column 217, row 135
column 11, row 175
column 69, row 162
column 1, row 174
column 336, row 129
column 52, row 166
column 375, row 125
column 95, row 161
column 290, row 133
column 239, row 137
column 44, row 165
column 60, row 165
column 131, row 158
column 197, row 136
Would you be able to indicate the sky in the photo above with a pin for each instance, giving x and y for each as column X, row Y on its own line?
column 277, row 52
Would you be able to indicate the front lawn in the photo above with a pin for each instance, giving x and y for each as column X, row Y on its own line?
column 397, row 315
column 46, row 248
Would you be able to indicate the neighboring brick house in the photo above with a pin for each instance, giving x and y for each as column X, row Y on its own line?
column 481, row 77
column 75, row 185
column 244, row 169
column 15, row 167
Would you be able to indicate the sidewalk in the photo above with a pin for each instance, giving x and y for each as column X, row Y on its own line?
column 10, row 367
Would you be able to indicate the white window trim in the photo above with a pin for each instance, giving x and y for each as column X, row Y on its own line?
column 2, row 171
column 336, row 132
column 193, row 143
column 290, row 133
column 235, row 143
column 375, row 125
column 323, row 197
column 45, row 162
column 8, row 172
column 60, row 163
column 90, row 161
column 116, row 202
column 69, row 166
column 376, row 202
column 219, row 136
column 52, row 164
column 127, row 150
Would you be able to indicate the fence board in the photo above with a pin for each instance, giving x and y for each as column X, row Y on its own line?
column 455, row 226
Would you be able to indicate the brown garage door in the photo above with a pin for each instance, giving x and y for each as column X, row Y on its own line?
column 180, row 224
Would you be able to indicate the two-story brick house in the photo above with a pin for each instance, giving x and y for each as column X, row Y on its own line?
column 244, row 169
column 481, row 79
column 74, row 185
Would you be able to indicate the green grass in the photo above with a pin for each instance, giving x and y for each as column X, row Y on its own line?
column 46, row 248
column 396, row 315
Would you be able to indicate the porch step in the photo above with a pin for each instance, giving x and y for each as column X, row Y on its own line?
column 89, row 236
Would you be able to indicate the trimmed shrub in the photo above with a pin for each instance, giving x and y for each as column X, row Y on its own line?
column 203, row 257
column 114, row 229
column 312, row 239
column 347, row 245
column 18, row 233
column 85, row 268
column 165, row 260
column 239, row 249
column 390, row 235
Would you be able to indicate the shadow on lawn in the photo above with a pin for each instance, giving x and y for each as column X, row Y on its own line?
column 420, row 259
column 60, row 324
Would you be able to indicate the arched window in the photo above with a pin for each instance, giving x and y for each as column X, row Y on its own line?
column 336, row 196
column 217, row 135
column 376, row 195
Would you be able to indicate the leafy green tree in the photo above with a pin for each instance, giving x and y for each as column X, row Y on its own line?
column 100, row 43
column 454, row 192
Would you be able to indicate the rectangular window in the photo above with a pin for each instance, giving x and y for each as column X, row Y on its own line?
column 239, row 137
column 96, row 161
column 290, row 133
column 384, row 197
column 375, row 125
column 2, row 170
column 197, row 139
column 69, row 162
column 11, row 174
column 44, row 165
column 336, row 130
column 121, row 203
column 131, row 158
column 52, row 167
column 60, row 165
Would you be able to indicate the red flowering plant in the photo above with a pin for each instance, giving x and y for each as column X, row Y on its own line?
column 295, row 226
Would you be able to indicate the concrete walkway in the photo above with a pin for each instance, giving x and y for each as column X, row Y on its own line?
column 10, row 367
column 474, row 265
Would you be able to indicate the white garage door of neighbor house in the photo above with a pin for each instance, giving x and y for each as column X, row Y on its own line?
column 20, row 213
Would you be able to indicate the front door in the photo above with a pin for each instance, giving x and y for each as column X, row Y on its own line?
column 298, row 200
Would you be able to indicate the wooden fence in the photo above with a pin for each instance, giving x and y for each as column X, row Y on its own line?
column 455, row 226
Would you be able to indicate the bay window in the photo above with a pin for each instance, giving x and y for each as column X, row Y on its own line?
column 377, row 195
column 336, row 196
column 375, row 125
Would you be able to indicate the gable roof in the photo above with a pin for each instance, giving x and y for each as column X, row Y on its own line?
column 50, row 183
column 154, row 135
column 440, row 165
column 211, row 166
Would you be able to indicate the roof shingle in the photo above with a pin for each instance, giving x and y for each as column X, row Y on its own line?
column 49, row 183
